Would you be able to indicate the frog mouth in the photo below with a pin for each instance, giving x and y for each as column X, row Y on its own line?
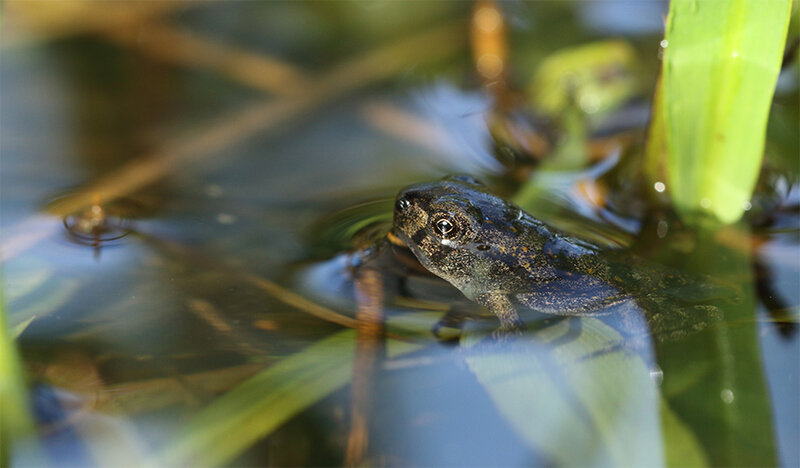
column 395, row 239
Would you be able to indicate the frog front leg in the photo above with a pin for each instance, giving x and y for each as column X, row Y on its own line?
column 501, row 306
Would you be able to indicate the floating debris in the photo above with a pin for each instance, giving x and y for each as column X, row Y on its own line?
column 96, row 225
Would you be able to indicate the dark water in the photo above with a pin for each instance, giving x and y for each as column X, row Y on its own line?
column 192, row 196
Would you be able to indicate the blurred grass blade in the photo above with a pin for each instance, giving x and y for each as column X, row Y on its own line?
column 17, row 329
column 574, row 394
column 253, row 410
column 17, row 428
column 40, row 303
column 719, row 73
column 33, row 291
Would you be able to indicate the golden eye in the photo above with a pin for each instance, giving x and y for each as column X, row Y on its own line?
column 445, row 227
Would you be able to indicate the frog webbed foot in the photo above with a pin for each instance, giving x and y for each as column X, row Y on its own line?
column 450, row 327
column 508, row 331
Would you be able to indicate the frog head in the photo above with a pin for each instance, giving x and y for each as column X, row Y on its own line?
column 460, row 232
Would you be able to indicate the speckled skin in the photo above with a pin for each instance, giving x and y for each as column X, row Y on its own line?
column 504, row 259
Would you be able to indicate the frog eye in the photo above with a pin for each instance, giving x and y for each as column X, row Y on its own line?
column 402, row 205
column 445, row 227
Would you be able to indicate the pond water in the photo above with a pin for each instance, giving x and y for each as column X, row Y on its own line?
column 195, row 201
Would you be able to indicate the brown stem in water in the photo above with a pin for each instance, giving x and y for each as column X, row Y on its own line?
column 172, row 44
column 369, row 348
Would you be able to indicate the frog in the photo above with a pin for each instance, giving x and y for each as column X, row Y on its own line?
column 508, row 261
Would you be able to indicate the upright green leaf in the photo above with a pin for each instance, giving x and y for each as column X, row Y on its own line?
column 720, row 66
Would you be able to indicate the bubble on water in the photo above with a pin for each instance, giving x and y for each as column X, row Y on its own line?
column 214, row 191
column 226, row 218
column 657, row 375
column 727, row 395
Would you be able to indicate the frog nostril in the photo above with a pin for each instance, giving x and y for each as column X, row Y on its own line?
column 402, row 204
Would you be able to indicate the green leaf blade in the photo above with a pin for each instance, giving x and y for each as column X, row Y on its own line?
column 720, row 69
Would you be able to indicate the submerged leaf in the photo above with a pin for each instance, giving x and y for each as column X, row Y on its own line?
column 572, row 385
column 253, row 410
